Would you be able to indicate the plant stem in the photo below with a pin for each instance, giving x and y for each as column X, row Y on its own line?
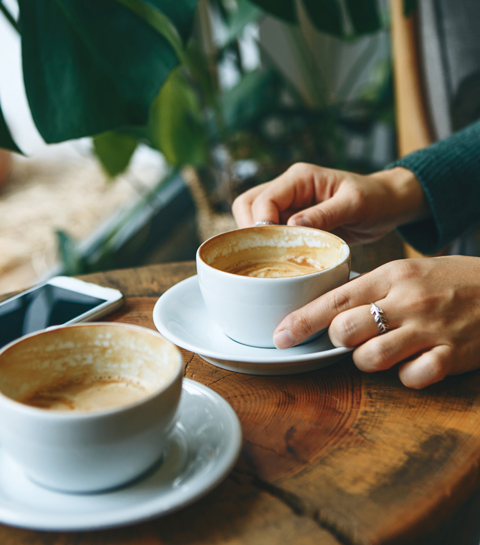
column 207, row 41
column 9, row 17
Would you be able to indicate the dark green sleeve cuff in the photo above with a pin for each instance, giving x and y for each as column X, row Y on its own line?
column 449, row 172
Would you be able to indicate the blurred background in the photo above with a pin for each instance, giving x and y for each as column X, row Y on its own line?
column 255, row 87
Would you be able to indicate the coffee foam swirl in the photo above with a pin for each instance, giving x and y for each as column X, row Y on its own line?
column 273, row 251
column 283, row 267
column 91, row 393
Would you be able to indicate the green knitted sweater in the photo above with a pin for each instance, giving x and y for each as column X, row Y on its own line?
column 449, row 172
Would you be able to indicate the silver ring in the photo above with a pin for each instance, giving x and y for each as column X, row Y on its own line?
column 258, row 223
column 379, row 319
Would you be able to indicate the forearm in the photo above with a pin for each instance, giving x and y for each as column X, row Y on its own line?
column 449, row 173
column 405, row 199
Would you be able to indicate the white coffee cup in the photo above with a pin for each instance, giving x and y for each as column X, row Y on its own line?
column 248, row 309
column 101, row 442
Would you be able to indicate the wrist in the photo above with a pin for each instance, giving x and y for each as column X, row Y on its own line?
column 406, row 194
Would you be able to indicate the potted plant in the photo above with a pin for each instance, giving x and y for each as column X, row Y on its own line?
column 129, row 71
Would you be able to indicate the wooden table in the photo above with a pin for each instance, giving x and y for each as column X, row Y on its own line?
column 332, row 457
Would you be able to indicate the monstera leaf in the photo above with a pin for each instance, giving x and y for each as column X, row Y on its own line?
column 91, row 66
column 94, row 66
column 327, row 15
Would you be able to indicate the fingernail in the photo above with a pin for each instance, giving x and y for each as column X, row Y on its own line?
column 302, row 221
column 283, row 339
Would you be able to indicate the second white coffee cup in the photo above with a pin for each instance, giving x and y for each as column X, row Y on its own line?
column 109, row 440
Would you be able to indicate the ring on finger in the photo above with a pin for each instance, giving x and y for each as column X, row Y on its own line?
column 264, row 222
column 380, row 319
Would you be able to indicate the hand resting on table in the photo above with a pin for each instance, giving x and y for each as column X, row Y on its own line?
column 433, row 311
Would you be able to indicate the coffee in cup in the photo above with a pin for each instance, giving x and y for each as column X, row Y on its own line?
column 88, row 393
column 280, row 268
column 252, row 278
column 88, row 407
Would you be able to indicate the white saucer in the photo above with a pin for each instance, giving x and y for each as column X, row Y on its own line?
column 181, row 316
column 204, row 447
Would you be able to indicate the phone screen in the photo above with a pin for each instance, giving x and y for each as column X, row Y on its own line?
column 40, row 308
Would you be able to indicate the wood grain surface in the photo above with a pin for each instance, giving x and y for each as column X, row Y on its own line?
column 333, row 457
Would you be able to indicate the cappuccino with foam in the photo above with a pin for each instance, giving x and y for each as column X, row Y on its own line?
column 91, row 393
column 250, row 279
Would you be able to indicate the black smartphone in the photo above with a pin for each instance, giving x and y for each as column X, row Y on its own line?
column 60, row 300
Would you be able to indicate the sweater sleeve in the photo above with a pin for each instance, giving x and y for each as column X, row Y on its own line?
column 449, row 172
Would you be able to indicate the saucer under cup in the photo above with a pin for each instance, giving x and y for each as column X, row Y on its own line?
column 180, row 316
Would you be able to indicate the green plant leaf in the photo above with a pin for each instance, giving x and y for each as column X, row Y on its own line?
column 326, row 15
column 157, row 20
column 177, row 127
column 114, row 151
column 90, row 66
column 364, row 15
column 283, row 9
column 180, row 14
column 140, row 134
column 255, row 95
column 6, row 139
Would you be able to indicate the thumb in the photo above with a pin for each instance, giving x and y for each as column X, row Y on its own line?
column 327, row 215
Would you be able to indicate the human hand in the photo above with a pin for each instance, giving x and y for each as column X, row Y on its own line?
column 357, row 208
column 432, row 307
